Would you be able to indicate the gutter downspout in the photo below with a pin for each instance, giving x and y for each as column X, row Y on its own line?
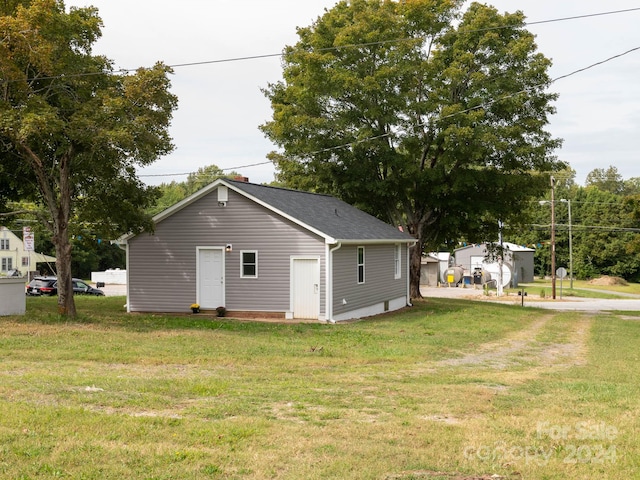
column 126, row 248
column 408, row 253
column 124, row 245
column 329, row 282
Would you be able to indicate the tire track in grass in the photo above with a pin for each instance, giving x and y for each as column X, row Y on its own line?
column 524, row 348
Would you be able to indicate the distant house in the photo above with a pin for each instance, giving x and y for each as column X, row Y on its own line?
column 260, row 250
column 517, row 262
column 14, row 257
column 433, row 268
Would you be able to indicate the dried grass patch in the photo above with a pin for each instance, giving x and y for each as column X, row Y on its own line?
column 606, row 280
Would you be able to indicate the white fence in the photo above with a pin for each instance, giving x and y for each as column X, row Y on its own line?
column 110, row 277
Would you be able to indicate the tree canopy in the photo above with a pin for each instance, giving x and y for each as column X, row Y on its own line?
column 72, row 131
column 603, row 226
column 434, row 125
column 608, row 180
column 171, row 193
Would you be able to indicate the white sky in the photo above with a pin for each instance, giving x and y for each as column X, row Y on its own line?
column 221, row 105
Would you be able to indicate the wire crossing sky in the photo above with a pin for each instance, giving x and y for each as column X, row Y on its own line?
column 218, row 50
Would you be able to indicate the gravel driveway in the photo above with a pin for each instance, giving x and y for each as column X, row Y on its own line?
column 567, row 303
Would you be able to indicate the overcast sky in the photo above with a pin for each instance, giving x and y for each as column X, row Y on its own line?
column 221, row 105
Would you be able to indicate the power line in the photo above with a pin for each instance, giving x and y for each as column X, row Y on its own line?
column 576, row 17
column 408, row 39
column 271, row 55
column 579, row 227
column 333, row 48
column 482, row 105
column 195, row 173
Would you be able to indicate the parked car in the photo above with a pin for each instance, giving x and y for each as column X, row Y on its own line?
column 42, row 286
column 49, row 286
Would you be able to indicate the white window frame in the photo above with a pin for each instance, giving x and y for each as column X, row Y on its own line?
column 397, row 261
column 6, row 264
column 4, row 244
column 360, row 266
column 242, row 263
column 25, row 261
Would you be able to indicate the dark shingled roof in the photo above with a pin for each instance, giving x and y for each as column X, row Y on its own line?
column 325, row 213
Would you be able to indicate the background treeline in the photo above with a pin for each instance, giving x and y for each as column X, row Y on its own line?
column 92, row 253
column 605, row 226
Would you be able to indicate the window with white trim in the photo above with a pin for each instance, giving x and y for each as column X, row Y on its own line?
column 7, row 264
column 360, row 264
column 249, row 264
column 4, row 244
column 397, row 261
column 25, row 261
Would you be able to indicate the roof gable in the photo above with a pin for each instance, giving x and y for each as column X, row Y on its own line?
column 512, row 247
column 327, row 216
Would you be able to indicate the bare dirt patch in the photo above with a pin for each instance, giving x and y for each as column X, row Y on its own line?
column 522, row 347
column 497, row 354
column 608, row 281
column 446, row 476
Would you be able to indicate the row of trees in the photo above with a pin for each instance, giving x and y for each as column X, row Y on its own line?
column 90, row 251
column 605, row 215
column 426, row 115
column 604, row 225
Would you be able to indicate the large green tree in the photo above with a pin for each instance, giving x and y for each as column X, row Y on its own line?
column 608, row 180
column 72, row 130
column 428, row 117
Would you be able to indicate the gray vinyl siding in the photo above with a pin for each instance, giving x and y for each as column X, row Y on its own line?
column 380, row 283
column 162, row 266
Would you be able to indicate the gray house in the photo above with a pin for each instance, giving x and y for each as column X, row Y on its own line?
column 259, row 250
column 517, row 263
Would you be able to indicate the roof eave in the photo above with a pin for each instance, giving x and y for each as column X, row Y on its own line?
column 370, row 241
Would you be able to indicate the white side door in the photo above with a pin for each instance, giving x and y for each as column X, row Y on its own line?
column 210, row 277
column 305, row 287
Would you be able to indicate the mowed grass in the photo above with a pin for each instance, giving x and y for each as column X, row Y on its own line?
column 446, row 389
column 581, row 288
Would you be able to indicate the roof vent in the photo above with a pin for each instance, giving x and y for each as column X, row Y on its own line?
column 223, row 195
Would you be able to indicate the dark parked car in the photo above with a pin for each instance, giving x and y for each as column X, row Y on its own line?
column 49, row 286
column 42, row 286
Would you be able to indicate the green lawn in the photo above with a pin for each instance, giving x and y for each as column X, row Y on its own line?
column 581, row 288
column 447, row 389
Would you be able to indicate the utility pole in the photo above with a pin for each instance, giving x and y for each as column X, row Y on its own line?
column 553, row 238
column 568, row 202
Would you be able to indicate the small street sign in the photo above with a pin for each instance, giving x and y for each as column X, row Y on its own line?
column 28, row 238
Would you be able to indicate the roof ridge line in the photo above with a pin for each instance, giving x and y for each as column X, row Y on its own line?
column 286, row 189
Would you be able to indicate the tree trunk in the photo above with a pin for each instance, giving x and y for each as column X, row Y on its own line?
column 58, row 202
column 415, row 227
column 61, row 240
column 66, row 303
column 415, row 264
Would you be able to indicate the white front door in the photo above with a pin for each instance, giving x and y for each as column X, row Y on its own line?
column 305, row 287
column 210, row 277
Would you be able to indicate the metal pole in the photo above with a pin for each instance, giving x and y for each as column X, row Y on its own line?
column 553, row 239
column 570, row 248
column 499, row 289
